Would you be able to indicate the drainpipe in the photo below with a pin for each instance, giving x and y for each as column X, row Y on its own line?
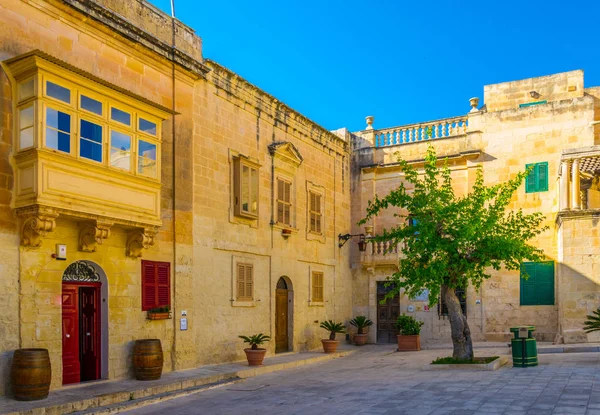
column 174, row 273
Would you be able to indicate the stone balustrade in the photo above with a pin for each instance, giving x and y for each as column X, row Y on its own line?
column 579, row 179
column 431, row 130
column 381, row 253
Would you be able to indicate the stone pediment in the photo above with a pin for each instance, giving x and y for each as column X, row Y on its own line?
column 287, row 152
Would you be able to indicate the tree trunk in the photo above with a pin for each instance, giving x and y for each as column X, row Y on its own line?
column 461, row 334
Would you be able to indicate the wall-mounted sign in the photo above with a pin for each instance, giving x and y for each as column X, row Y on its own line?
column 424, row 296
column 183, row 324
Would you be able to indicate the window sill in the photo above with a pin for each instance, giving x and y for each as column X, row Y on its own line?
column 316, row 303
column 312, row 236
column 235, row 303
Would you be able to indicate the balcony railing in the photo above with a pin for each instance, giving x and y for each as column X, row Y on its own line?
column 431, row 130
column 381, row 253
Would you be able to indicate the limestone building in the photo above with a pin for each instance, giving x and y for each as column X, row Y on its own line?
column 135, row 175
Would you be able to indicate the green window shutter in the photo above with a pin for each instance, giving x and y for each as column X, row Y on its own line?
column 538, row 289
column 528, row 296
column 542, row 177
column 545, row 283
column 532, row 179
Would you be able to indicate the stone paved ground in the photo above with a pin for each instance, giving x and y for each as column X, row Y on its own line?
column 378, row 381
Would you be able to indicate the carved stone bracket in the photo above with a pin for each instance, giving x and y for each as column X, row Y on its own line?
column 37, row 221
column 140, row 239
column 92, row 234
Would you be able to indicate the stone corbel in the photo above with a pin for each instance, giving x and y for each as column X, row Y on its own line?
column 92, row 234
column 140, row 239
column 37, row 223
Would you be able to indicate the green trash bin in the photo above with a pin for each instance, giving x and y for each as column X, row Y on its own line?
column 524, row 347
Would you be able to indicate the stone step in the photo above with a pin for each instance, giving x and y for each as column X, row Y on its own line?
column 115, row 408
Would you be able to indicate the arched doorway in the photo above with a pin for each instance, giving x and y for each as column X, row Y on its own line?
column 284, row 317
column 84, row 322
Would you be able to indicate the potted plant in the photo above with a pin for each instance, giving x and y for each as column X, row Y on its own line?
column 159, row 313
column 330, row 345
column 409, row 330
column 255, row 355
column 361, row 323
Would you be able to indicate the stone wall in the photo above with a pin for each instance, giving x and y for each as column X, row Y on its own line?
column 236, row 118
column 556, row 87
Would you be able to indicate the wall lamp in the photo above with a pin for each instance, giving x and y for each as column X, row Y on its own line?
column 362, row 240
column 534, row 94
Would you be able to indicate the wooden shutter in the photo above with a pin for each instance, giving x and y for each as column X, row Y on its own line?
column 317, row 287
column 163, row 286
column 245, row 282
column 542, row 177
column 528, row 286
column 149, row 285
column 531, row 181
column 545, row 283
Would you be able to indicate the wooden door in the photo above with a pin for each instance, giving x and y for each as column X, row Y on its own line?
column 281, row 321
column 387, row 314
column 70, row 334
column 89, row 350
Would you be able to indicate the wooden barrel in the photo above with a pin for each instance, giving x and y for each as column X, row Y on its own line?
column 147, row 359
column 31, row 374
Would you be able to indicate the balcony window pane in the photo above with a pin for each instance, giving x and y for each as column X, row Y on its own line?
column 26, row 127
column 146, row 158
column 59, row 92
column 147, row 126
column 58, row 130
column 26, row 90
column 91, row 105
column 120, row 116
column 253, row 190
column 90, row 143
column 120, row 150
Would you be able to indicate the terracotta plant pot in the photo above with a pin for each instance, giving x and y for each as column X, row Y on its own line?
column 255, row 357
column 409, row 343
column 329, row 346
column 360, row 339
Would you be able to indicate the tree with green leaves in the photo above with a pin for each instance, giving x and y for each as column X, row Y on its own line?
column 453, row 241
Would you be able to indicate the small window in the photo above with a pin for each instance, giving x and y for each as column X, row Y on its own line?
column 146, row 158
column 59, row 92
column 461, row 293
column 91, row 105
column 245, row 282
column 26, row 90
column 90, row 143
column 147, row 127
column 537, row 179
column 120, row 116
column 284, row 202
column 315, row 212
column 317, row 287
column 120, row 150
column 245, row 188
column 26, row 116
column 538, row 288
column 58, row 130
column 156, row 284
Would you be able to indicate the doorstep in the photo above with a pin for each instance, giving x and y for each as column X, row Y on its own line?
column 107, row 394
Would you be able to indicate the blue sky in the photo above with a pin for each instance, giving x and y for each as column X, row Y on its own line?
column 402, row 61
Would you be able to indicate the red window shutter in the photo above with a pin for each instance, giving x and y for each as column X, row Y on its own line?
column 149, row 285
column 164, row 283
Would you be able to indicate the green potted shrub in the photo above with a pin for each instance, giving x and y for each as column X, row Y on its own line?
column 361, row 323
column 409, row 330
column 330, row 345
column 254, row 354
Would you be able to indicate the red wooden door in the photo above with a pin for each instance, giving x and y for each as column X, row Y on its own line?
column 89, row 333
column 70, row 334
